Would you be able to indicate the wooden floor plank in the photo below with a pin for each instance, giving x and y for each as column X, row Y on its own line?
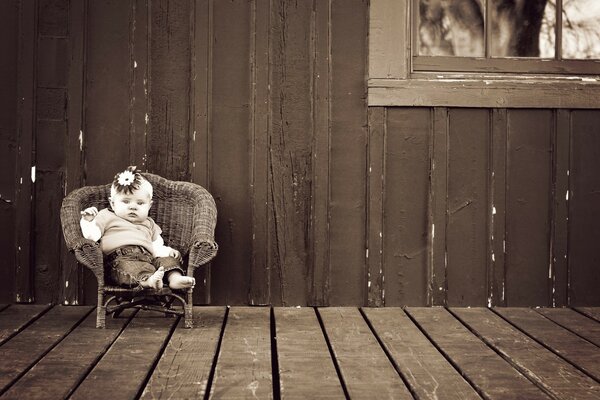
column 244, row 364
column 542, row 366
column 15, row 317
column 306, row 370
column 185, row 366
column 123, row 370
column 575, row 322
column 428, row 373
column 568, row 345
column 57, row 374
column 592, row 312
column 487, row 371
column 365, row 368
column 26, row 348
column 3, row 307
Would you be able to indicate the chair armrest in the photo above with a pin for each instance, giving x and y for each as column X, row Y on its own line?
column 201, row 252
column 90, row 255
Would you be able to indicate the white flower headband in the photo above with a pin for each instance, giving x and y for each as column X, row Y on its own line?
column 128, row 181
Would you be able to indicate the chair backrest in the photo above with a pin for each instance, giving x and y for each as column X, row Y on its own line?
column 179, row 208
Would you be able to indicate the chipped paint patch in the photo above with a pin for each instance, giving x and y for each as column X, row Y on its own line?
column 33, row 174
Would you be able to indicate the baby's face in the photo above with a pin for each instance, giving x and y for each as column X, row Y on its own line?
column 132, row 207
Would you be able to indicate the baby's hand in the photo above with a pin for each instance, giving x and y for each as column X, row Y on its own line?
column 89, row 213
column 175, row 254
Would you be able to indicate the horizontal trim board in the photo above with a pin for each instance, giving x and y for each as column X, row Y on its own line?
column 484, row 93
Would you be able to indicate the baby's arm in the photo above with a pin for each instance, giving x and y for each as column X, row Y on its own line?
column 89, row 228
column 160, row 250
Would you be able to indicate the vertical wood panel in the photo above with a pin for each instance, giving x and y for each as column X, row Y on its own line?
column 51, row 128
column 348, row 160
column 376, row 185
column 9, row 23
column 405, row 210
column 437, row 213
column 560, row 209
column 584, row 212
column 291, row 146
column 200, row 138
column 25, row 191
column 321, row 107
column 72, row 292
column 138, row 85
column 170, row 49
column 497, row 213
column 529, row 166
column 259, row 164
column 468, row 205
column 230, row 177
column 108, row 70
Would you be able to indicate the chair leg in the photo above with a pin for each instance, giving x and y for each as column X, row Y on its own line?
column 189, row 315
column 101, row 311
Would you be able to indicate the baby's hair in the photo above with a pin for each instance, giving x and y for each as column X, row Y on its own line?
column 128, row 181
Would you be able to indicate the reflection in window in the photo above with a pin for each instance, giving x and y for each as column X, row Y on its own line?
column 519, row 28
column 581, row 29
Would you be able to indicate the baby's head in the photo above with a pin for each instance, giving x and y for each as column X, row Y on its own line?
column 131, row 195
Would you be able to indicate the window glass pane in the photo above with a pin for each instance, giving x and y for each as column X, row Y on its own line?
column 451, row 28
column 522, row 28
column 581, row 29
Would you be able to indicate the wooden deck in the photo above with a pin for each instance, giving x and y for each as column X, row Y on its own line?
column 301, row 353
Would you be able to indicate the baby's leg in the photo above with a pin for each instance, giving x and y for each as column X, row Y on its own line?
column 178, row 281
column 155, row 280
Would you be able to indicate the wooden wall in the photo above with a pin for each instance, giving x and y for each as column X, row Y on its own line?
column 322, row 200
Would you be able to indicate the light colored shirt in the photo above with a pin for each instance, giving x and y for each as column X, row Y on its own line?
column 114, row 232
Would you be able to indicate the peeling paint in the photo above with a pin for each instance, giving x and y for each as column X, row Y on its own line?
column 567, row 196
column 134, row 64
column 33, row 174
column 80, row 140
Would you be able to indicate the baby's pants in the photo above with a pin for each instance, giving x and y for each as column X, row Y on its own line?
column 130, row 265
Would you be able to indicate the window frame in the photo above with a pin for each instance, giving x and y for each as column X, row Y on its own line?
column 396, row 78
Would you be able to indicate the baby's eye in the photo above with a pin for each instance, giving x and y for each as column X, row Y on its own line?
column 141, row 203
column 126, row 201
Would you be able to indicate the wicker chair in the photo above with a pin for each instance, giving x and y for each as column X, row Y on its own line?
column 187, row 215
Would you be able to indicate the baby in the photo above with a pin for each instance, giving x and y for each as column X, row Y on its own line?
column 131, row 242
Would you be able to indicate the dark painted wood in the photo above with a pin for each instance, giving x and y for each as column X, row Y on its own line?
column 584, row 214
column 321, row 157
column 419, row 362
column 25, row 161
column 9, row 121
column 375, row 219
column 497, row 211
column 48, row 236
column 367, row 372
column 60, row 371
column 139, row 87
column 230, row 159
column 407, row 140
column 437, row 284
column 306, row 370
column 528, row 202
column 481, row 366
column 560, row 209
column 123, row 369
column 573, row 321
column 468, row 206
column 259, row 126
column 244, row 365
column 200, row 147
column 184, row 368
column 14, row 318
column 170, row 57
column 569, row 346
column 543, row 367
column 72, row 293
column 348, row 159
column 291, row 145
column 26, row 348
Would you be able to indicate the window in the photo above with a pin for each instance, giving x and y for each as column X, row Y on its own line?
column 539, row 36
column 484, row 53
